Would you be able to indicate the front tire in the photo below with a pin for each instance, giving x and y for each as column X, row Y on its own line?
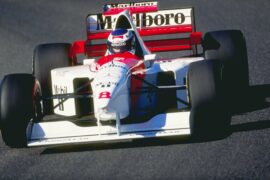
column 18, row 107
column 205, row 89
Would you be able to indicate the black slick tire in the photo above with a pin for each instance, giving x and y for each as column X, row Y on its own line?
column 229, row 47
column 207, row 116
column 47, row 57
column 18, row 107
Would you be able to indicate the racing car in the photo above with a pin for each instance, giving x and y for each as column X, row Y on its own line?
column 115, row 86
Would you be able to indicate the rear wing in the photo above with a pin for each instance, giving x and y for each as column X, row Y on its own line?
column 149, row 22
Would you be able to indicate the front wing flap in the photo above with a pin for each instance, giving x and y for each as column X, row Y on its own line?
column 67, row 132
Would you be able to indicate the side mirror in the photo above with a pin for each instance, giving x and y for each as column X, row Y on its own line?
column 148, row 59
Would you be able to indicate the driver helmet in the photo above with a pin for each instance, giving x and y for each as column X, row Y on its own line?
column 120, row 41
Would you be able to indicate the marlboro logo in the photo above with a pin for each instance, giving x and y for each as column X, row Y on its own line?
column 153, row 19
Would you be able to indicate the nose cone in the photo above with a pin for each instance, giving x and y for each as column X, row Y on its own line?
column 111, row 91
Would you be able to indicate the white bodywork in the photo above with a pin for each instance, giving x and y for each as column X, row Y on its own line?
column 111, row 96
column 66, row 132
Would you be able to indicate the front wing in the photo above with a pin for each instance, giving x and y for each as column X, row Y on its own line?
column 67, row 132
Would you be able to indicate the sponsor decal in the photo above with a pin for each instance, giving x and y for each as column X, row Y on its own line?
column 106, row 84
column 118, row 59
column 162, row 19
column 132, row 4
column 118, row 37
column 152, row 19
column 117, row 44
column 114, row 66
column 60, row 90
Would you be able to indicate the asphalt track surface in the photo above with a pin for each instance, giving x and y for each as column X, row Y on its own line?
column 244, row 153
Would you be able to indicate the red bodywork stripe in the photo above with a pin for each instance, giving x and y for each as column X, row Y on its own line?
column 178, row 44
column 146, row 31
column 153, row 45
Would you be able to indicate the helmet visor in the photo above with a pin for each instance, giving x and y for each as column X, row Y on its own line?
column 119, row 46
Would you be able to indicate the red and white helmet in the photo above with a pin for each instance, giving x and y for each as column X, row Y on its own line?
column 121, row 40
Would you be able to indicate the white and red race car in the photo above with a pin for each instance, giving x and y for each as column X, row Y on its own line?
column 105, row 97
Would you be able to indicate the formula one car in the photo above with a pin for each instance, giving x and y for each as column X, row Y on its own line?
column 114, row 87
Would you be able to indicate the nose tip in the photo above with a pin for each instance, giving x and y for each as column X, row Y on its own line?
column 105, row 114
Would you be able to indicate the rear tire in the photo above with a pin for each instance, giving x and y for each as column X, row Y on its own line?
column 18, row 107
column 207, row 116
column 229, row 47
column 47, row 57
